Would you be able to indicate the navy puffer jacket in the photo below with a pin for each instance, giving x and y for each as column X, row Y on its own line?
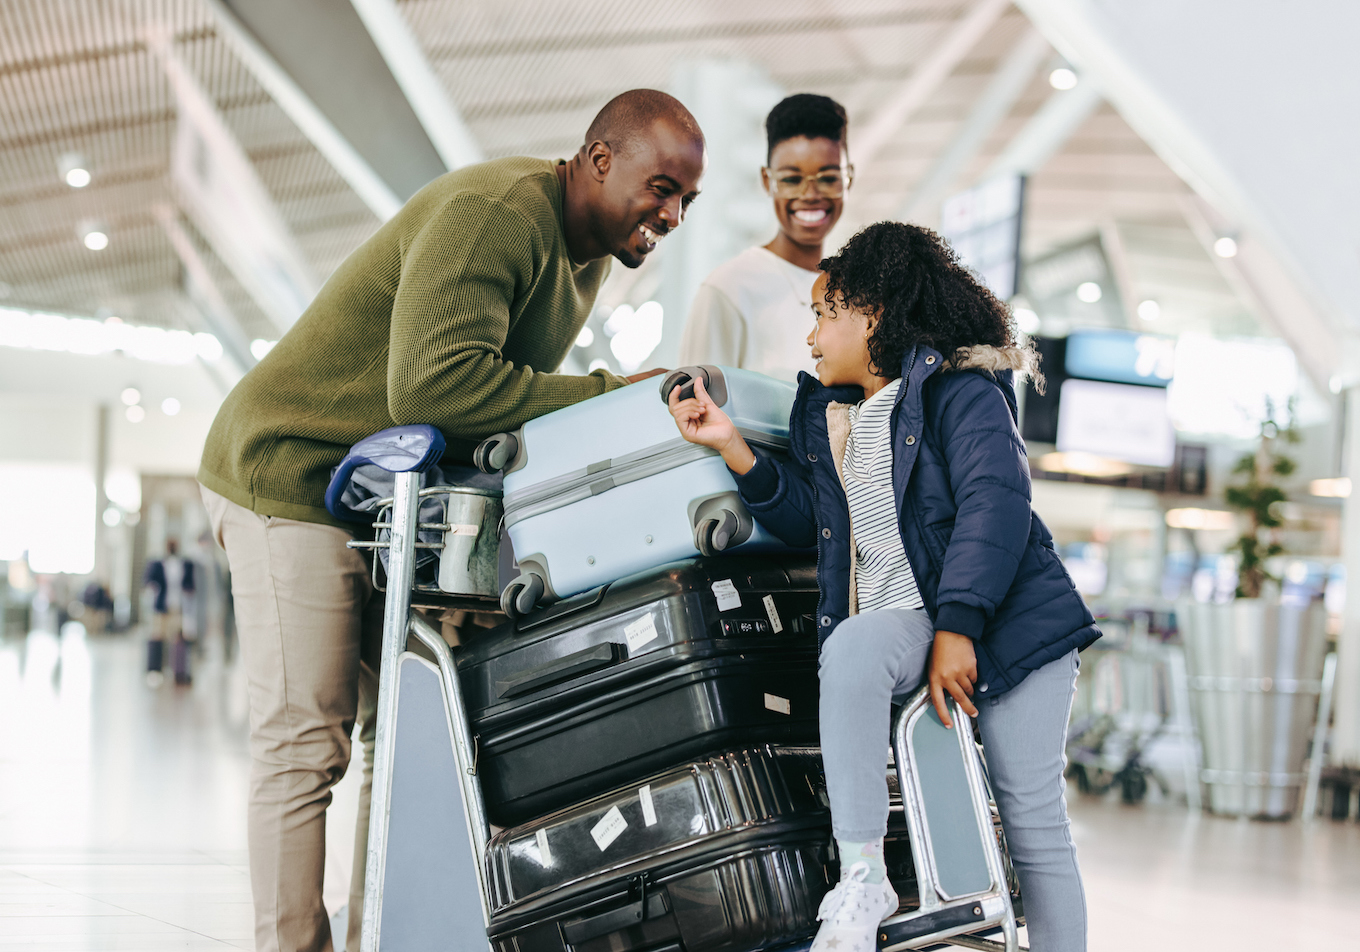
column 984, row 561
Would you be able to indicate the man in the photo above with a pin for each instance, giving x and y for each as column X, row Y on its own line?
column 171, row 580
column 447, row 315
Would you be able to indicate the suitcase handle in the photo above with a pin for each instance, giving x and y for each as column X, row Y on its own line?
column 645, row 907
column 714, row 382
column 562, row 669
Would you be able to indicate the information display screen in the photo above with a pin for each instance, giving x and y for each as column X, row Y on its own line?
column 1115, row 420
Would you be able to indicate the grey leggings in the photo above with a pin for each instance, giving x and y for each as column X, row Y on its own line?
column 875, row 657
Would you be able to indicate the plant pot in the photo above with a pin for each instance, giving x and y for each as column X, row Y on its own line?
column 1255, row 670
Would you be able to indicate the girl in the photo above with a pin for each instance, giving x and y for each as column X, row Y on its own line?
column 748, row 311
column 906, row 471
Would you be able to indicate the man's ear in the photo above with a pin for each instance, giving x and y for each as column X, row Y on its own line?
column 599, row 159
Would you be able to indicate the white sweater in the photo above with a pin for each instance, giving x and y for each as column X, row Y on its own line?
column 753, row 312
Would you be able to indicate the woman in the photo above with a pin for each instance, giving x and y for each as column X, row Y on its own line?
column 752, row 311
column 906, row 471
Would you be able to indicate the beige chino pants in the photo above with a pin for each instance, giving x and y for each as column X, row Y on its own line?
column 310, row 629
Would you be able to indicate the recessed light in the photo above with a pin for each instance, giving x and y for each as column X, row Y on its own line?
column 136, row 414
column 1149, row 310
column 74, row 169
column 170, row 406
column 1225, row 247
column 1088, row 292
column 96, row 240
column 585, row 338
column 131, row 396
column 1062, row 78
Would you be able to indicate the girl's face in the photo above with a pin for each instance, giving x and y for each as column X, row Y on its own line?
column 840, row 341
column 807, row 180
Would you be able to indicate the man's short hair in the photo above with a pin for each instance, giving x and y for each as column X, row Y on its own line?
column 805, row 114
column 628, row 115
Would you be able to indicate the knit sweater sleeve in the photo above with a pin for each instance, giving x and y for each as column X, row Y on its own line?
column 461, row 277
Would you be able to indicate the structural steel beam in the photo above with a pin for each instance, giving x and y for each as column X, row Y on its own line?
column 424, row 90
column 991, row 108
column 925, row 79
column 1047, row 130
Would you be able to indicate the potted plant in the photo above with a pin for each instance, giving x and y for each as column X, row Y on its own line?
column 1255, row 662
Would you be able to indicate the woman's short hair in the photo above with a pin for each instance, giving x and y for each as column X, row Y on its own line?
column 805, row 114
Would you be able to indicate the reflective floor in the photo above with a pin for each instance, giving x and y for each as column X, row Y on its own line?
column 122, row 827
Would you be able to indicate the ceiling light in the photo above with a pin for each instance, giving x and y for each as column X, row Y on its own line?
column 1336, row 488
column 1225, row 247
column 1026, row 320
column 1062, row 78
column 585, row 338
column 1149, row 310
column 599, row 363
column 112, row 516
column 95, row 239
column 169, row 406
column 1088, row 292
column 136, row 414
column 259, row 347
column 1215, row 520
column 74, row 169
column 132, row 396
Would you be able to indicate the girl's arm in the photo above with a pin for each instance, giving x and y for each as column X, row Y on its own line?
column 778, row 499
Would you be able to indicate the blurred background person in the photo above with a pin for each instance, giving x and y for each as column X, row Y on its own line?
column 171, row 580
column 754, row 311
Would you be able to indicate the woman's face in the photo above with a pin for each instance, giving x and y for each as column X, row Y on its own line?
column 840, row 341
column 800, row 172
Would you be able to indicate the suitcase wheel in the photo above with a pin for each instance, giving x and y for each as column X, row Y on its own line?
column 713, row 534
column 521, row 594
column 495, row 453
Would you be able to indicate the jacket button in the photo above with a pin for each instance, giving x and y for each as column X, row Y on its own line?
column 812, row 457
column 826, row 533
column 930, row 360
column 911, row 441
column 826, row 620
column 983, row 687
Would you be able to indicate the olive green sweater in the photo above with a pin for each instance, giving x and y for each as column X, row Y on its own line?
column 449, row 314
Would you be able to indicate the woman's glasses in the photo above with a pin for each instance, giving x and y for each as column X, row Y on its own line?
column 830, row 184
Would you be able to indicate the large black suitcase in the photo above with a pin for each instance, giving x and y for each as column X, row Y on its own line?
column 727, row 853
column 643, row 674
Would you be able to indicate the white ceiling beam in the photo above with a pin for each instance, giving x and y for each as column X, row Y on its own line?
column 1268, row 290
column 995, row 103
column 372, row 190
column 1047, row 130
column 212, row 307
column 429, row 99
column 917, row 90
column 1117, row 255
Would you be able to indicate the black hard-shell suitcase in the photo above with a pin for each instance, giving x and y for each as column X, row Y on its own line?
column 155, row 655
column 727, row 853
column 643, row 674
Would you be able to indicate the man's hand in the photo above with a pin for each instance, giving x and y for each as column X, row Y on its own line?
column 654, row 372
column 702, row 421
column 953, row 668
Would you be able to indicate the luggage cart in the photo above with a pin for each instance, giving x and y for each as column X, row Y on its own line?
column 425, row 877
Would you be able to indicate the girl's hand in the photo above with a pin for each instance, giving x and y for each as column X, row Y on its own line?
column 953, row 668
column 702, row 421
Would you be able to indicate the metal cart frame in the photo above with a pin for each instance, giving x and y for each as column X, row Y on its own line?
column 446, row 842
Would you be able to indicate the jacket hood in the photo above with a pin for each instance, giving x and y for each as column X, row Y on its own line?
column 1023, row 361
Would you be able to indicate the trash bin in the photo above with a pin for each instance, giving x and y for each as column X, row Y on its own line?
column 1255, row 673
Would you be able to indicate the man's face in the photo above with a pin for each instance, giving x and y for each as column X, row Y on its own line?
column 644, row 192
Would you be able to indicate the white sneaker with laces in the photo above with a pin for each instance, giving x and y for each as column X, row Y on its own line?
column 851, row 912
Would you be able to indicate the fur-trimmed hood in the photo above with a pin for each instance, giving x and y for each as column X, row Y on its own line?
column 1022, row 360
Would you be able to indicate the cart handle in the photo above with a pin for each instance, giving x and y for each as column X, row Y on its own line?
column 399, row 449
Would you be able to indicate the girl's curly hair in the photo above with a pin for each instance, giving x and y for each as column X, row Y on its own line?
column 922, row 294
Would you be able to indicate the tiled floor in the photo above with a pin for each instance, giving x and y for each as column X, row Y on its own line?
column 122, row 828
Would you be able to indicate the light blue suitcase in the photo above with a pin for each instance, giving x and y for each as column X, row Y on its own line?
column 607, row 487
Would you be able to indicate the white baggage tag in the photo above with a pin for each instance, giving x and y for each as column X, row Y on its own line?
column 780, row 705
column 609, row 828
column 544, row 854
column 639, row 633
column 773, row 612
column 726, row 594
column 648, row 807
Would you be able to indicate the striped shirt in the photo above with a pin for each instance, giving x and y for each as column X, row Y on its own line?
column 883, row 575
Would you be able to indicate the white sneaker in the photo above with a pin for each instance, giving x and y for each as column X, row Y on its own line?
column 851, row 912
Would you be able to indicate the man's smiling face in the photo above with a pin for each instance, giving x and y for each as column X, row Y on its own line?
column 646, row 191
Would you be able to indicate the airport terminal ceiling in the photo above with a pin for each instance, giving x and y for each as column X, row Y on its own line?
column 81, row 78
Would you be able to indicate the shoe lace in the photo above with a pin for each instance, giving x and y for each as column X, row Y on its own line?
column 849, row 889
